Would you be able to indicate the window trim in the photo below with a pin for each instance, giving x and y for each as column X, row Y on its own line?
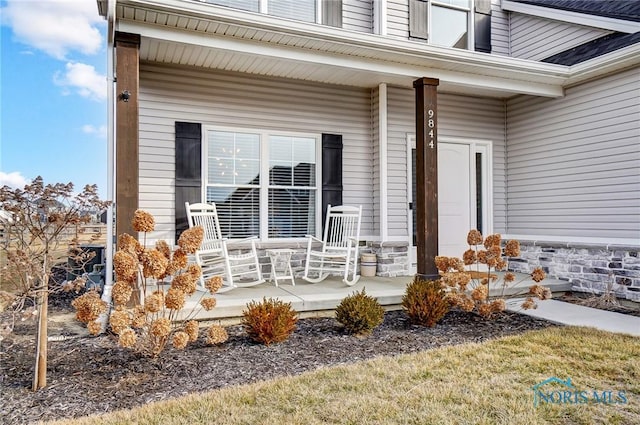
column 264, row 185
column 470, row 22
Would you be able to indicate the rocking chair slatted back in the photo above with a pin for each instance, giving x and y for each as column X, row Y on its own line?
column 342, row 227
column 206, row 215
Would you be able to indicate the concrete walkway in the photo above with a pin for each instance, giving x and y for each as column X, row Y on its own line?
column 577, row 315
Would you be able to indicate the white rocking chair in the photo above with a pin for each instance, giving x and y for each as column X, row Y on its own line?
column 238, row 270
column 338, row 252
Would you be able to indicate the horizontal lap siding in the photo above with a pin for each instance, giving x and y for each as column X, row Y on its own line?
column 357, row 15
column 499, row 29
column 458, row 117
column 171, row 93
column 574, row 162
column 538, row 38
column 398, row 18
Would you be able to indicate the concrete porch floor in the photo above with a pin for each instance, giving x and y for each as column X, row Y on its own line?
column 310, row 299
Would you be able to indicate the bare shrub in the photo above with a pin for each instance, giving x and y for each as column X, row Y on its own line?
column 36, row 222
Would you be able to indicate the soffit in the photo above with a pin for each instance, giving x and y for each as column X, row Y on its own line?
column 194, row 34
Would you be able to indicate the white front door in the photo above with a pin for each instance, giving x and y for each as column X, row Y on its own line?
column 463, row 194
column 454, row 199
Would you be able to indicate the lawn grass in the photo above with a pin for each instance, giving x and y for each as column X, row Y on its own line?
column 487, row 383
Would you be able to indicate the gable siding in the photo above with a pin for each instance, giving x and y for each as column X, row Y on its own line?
column 357, row 15
column 398, row 18
column 458, row 116
column 500, row 43
column 171, row 93
column 538, row 38
column 574, row 162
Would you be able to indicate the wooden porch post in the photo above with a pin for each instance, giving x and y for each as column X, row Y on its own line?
column 127, row 48
column 426, row 176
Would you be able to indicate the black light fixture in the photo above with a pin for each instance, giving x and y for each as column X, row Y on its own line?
column 125, row 95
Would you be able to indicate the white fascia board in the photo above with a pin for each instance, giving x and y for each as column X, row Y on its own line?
column 594, row 21
column 355, row 63
column 627, row 57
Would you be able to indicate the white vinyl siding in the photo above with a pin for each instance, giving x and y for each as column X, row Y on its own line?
column 458, row 116
column 499, row 30
column 398, row 18
column 574, row 162
column 173, row 93
column 538, row 38
column 357, row 15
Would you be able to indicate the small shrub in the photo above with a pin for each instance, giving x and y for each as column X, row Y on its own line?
column 360, row 313
column 269, row 321
column 425, row 302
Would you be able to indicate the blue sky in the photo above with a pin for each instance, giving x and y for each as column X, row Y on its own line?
column 53, row 90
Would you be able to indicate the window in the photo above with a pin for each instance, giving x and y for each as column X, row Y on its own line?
column 450, row 23
column 441, row 22
column 263, row 183
column 302, row 10
column 250, row 5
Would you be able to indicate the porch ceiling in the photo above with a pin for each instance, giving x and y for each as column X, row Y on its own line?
column 196, row 34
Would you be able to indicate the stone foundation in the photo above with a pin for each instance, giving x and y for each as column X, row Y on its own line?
column 588, row 267
column 392, row 257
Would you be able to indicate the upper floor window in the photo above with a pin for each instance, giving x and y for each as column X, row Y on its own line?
column 441, row 22
column 450, row 23
column 326, row 12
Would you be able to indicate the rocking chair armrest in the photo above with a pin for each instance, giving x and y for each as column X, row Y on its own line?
column 251, row 239
column 313, row 239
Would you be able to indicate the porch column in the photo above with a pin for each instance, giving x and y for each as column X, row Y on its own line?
column 426, row 176
column 127, row 47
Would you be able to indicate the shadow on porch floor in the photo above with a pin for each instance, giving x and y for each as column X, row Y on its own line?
column 311, row 299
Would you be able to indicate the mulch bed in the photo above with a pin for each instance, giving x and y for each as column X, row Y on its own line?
column 89, row 375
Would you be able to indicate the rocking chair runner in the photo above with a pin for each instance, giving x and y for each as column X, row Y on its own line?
column 238, row 270
column 338, row 252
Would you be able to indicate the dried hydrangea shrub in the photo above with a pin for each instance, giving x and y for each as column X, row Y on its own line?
column 151, row 292
column 468, row 289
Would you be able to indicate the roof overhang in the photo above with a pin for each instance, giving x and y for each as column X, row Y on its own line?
column 196, row 34
column 601, row 22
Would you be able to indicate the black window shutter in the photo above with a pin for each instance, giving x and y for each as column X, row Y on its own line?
column 188, row 183
column 331, row 171
column 418, row 13
column 482, row 26
column 332, row 13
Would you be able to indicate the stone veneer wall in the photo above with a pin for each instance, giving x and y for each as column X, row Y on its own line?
column 393, row 258
column 588, row 267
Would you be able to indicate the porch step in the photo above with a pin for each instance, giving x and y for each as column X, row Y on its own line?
column 309, row 298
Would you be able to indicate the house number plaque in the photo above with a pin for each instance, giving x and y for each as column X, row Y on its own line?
column 431, row 125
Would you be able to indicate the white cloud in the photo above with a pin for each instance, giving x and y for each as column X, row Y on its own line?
column 95, row 131
column 14, row 180
column 56, row 27
column 83, row 79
